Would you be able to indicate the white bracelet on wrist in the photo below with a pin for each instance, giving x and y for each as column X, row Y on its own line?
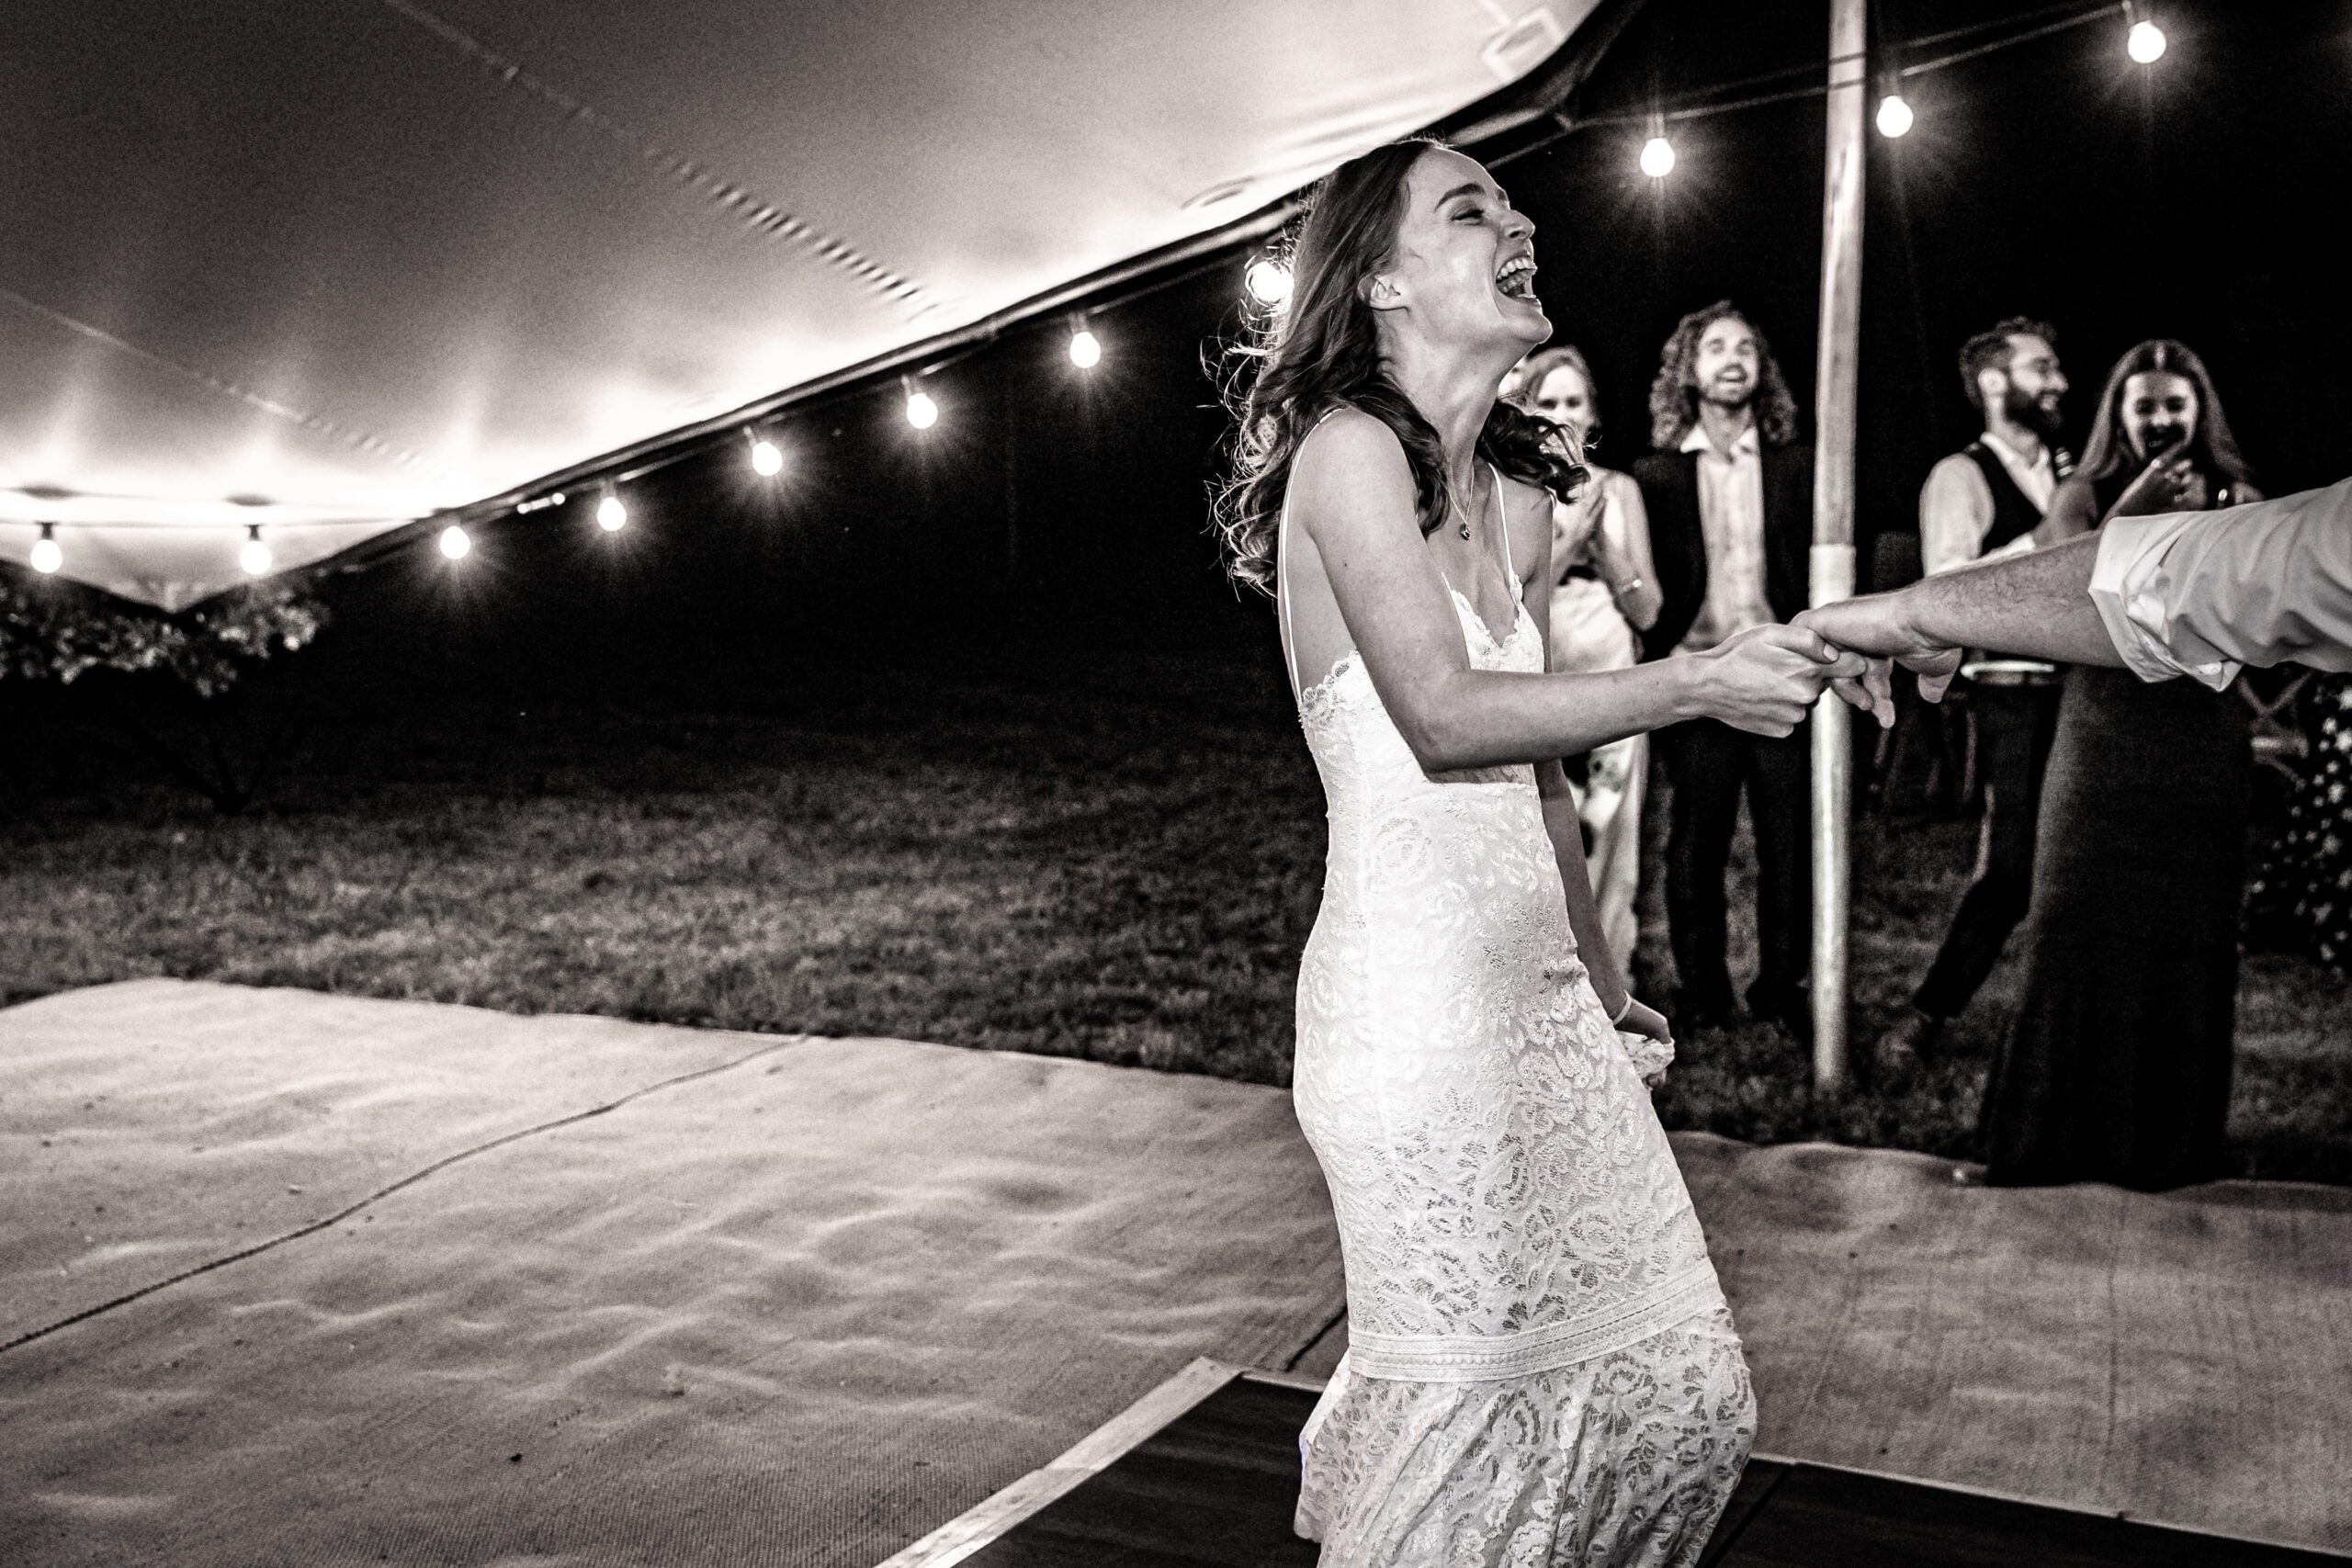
column 1624, row 1010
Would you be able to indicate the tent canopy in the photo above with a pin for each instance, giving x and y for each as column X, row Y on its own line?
column 331, row 268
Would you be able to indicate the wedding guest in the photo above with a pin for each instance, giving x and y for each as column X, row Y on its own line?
column 1984, row 501
column 1603, row 595
column 2118, row 1066
column 1729, row 493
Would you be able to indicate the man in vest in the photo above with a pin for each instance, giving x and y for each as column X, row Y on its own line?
column 1985, row 501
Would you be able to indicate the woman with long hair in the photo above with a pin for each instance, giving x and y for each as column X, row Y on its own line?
column 1541, row 1368
column 2118, row 1066
column 1604, row 596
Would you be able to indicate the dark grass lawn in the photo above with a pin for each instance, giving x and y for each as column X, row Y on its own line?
column 1122, row 867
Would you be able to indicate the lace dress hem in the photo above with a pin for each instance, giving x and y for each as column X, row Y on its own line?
column 1464, row 1357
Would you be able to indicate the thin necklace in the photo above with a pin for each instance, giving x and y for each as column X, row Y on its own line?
column 1454, row 504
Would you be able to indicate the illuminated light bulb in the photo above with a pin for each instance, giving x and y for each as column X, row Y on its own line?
column 454, row 542
column 47, row 557
column 1894, row 115
column 256, row 557
column 611, row 515
column 1268, row 280
column 767, row 459
column 1085, row 349
column 921, row 413
column 2144, row 42
column 1657, row 157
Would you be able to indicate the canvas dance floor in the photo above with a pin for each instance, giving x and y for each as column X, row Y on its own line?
column 285, row 1277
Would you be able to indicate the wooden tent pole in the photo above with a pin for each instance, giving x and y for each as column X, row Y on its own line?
column 1832, row 567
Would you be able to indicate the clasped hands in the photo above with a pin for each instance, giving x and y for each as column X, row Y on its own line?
column 1773, row 674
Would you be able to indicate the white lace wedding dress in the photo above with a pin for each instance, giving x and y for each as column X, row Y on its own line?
column 1541, row 1369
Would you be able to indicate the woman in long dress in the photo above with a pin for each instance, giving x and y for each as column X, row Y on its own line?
column 2118, row 1066
column 1604, row 596
column 1541, row 1367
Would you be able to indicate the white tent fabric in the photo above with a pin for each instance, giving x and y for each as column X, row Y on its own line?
column 335, row 266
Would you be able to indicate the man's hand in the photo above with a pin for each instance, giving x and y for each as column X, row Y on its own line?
column 1877, row 625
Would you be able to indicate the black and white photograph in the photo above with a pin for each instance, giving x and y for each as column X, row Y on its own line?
column 1326, row 783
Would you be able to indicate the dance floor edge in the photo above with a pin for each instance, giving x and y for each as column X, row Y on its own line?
column 1204, row 1471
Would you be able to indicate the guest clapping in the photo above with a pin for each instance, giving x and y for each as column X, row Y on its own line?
column 1604, row 594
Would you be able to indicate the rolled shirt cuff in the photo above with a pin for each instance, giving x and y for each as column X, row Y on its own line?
column 2133, row 593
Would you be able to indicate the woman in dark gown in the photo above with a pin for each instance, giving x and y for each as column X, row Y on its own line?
column 2117, row 1066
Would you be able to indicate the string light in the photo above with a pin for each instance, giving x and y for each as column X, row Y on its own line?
column 47, row 557
column 256, row 557
column 921, row 411
column 1268, row 280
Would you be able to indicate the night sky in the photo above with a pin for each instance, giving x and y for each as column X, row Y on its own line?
column 1052, row 509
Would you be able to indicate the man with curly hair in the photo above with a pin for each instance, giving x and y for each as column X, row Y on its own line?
column 1730, row 499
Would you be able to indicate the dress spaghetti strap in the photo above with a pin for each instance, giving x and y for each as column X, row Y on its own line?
column 1502, row 521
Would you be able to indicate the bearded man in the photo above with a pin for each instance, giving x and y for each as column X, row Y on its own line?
column 1984, row 501
column 1729, row 493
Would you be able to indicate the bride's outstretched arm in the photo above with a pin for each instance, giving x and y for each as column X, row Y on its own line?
column 1352, row 490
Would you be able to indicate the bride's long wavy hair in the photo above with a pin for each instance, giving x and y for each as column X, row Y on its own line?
column 1321, row 350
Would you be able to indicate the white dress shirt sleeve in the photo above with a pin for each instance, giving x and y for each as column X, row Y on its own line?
column 2202, row 593
column 1955, row 511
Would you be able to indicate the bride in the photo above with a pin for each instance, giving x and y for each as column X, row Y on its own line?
column 1542, row 1369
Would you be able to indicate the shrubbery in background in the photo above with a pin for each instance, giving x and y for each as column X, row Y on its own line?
column 166, row 680
column 59, row 631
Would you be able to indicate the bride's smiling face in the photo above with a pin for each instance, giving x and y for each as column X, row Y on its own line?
column 1463, row 267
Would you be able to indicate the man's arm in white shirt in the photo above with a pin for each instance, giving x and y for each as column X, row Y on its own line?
column 2193, row 592
column 2201, row 594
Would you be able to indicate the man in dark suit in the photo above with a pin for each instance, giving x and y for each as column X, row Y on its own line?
column 1730, row 501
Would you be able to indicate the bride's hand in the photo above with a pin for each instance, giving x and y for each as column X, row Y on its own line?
column 1766, row 680
column 1649, row 1025
column 1643, row 1019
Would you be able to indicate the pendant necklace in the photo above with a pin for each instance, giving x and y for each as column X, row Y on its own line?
column 1454, row 504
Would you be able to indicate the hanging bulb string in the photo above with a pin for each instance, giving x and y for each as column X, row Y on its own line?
column 2047, row 29
column 1140, row 276
column 1702, row 103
